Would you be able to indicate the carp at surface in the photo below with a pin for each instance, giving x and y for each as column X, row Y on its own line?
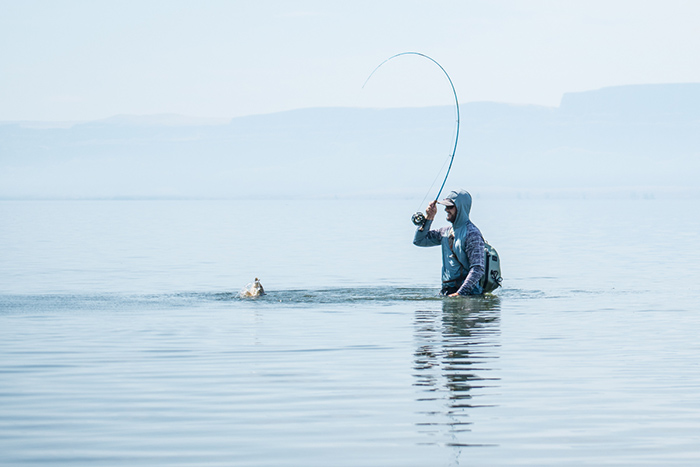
column 252, row 290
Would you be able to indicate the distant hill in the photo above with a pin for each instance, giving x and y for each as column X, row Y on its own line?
column 648, row 102
column 617, row 137
column 159, row 120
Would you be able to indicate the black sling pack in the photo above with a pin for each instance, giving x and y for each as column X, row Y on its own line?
column 491, row 279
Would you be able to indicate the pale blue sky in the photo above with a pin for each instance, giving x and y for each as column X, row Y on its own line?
column 82, row 60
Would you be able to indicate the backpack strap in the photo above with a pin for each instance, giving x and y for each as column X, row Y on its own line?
column 487, row 264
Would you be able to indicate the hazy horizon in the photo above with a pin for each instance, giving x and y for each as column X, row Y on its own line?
column 630, row 141
column 184, row 119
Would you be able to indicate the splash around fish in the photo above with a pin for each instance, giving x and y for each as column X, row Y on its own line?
column 252, row 290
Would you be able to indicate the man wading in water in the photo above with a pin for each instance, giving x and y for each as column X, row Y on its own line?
column 462, row 245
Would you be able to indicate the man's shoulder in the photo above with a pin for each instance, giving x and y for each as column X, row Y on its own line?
column 469, row 229
column 472, row 234
column 472, row 229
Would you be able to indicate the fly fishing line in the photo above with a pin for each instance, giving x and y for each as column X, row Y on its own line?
column 419, row 218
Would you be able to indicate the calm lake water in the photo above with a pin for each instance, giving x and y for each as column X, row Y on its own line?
column 123, row 341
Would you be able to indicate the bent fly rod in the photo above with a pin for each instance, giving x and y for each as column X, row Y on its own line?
column 419, row 218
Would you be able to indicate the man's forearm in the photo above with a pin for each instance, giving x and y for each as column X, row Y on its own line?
column 473, row 278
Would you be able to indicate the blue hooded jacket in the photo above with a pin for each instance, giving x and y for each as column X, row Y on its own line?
column 467, row 245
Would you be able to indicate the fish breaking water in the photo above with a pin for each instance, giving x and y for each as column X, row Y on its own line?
column 252, row 290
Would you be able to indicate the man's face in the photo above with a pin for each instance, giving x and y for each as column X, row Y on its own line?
column 451, row 213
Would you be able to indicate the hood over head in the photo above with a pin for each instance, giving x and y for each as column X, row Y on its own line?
column 463, row 200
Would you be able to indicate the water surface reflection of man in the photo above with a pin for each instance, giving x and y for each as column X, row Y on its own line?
column 456, row 349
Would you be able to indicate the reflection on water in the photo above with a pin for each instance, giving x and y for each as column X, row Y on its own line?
column 453, row 360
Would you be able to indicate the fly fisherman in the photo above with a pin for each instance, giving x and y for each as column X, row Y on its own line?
column 462, row 245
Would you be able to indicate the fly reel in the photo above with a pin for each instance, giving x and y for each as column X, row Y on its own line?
column 418, row 218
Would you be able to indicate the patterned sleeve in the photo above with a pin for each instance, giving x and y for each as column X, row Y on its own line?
column 475, row 253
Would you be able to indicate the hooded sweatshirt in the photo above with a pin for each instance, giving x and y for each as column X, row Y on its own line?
column 467, row 246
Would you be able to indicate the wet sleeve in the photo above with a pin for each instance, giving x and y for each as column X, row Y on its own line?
column 427, row 237
column 475, row 254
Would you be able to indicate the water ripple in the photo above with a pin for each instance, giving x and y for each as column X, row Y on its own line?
column 93, row 302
